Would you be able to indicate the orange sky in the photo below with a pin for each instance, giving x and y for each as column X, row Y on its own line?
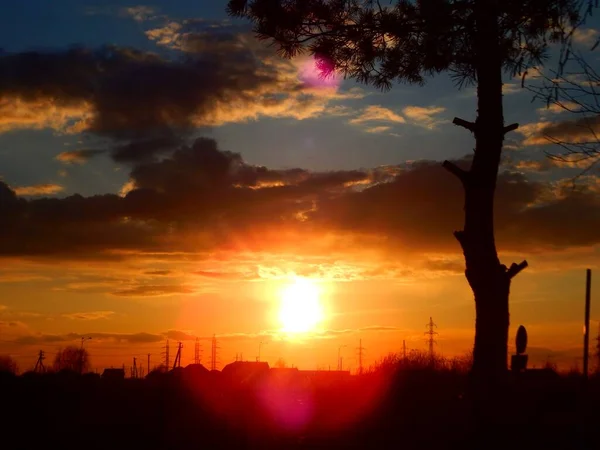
column 178, row 203
column 131, row 307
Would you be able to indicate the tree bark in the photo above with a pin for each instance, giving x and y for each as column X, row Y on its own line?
column 488, row 278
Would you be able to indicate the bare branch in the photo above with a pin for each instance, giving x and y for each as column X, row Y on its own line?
column 510, row 128
column 455, row 170
column 515, row 269
column 465, row 124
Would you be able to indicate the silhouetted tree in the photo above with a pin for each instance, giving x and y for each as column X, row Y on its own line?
column 8, row 364
column 474, row 40
column 72, row 358
column 280, row 364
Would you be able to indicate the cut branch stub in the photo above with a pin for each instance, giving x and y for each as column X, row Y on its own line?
column 515, row 269
column 455, row 170
column 465, row 124
column 460, row 236
column 511, row 127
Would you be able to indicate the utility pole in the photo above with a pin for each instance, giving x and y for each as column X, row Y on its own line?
column 431, row 338
column 260, row 344
column 339, row 362
column 39, row 365
column 404, row 349
column 586, row 326
column 83, row 339
column 197, row 351
column 177, row 362
column 361, row 350
column 148, row 362
column 213, row 353
column 134, row 371
column 166, row 353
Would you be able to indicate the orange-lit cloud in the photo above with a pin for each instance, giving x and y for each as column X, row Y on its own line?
column 38, row 189
column 584, row 129
column 78, row 156
column 90, row 315
column 427, row 117
column 376, row 113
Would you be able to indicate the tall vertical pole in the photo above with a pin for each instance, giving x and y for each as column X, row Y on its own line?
column 148, row 362
column 586, row 326
column 404, row 349
column 430, row 340
column 360, row 357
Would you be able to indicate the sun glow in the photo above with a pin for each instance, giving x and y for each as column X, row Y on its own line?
column 300, row 310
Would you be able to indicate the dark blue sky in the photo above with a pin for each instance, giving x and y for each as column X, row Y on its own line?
column 319, row 141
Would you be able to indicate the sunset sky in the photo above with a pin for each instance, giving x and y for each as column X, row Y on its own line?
column 164, row 175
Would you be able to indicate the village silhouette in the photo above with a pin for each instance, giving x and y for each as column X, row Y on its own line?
column 409, row 399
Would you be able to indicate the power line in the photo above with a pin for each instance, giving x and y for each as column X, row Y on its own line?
column 213, row 353
column 361, row 351
column 39, row 365
column 431, row 338
column 166, row 355
column 197, row 358
column 177, row 362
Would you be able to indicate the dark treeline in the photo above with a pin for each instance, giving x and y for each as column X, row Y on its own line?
column 397, row 405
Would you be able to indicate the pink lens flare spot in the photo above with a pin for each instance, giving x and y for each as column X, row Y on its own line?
column 287, row 409
column 319, row 72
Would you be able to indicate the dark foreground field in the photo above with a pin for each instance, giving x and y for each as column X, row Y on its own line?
column 405, row 409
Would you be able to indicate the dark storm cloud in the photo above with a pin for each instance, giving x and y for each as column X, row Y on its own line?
column 143, row 103
column 202, row 199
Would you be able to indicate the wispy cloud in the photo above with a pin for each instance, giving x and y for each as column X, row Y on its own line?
column 586, row 36
column 377, row 130
column 154, row 291
column 90, row 315
column 140, row 13
column 427, row 117
column 38, row 189
column 78, row 156
column 376, row 113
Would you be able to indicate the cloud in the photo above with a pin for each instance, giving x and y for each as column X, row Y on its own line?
column 584, row 129
column 78, row 156
column 139, row 13
column 376, row 130
column 38, row 189
column 159, row 273
column 202, row 199
column 512, row 88
column 237, row 276
column 140, row 104
column 425, row 116
column 90, row 315
column 586, row 36
column 179, row 335
column 531, row 165
column 376, row 113
column 154, row 291
column 17, row 112
column 65, row 339
column 20, row 277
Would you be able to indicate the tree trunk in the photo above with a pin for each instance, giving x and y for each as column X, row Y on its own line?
column 488, row 278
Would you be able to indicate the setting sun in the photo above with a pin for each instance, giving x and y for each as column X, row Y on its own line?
column 300, row 310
